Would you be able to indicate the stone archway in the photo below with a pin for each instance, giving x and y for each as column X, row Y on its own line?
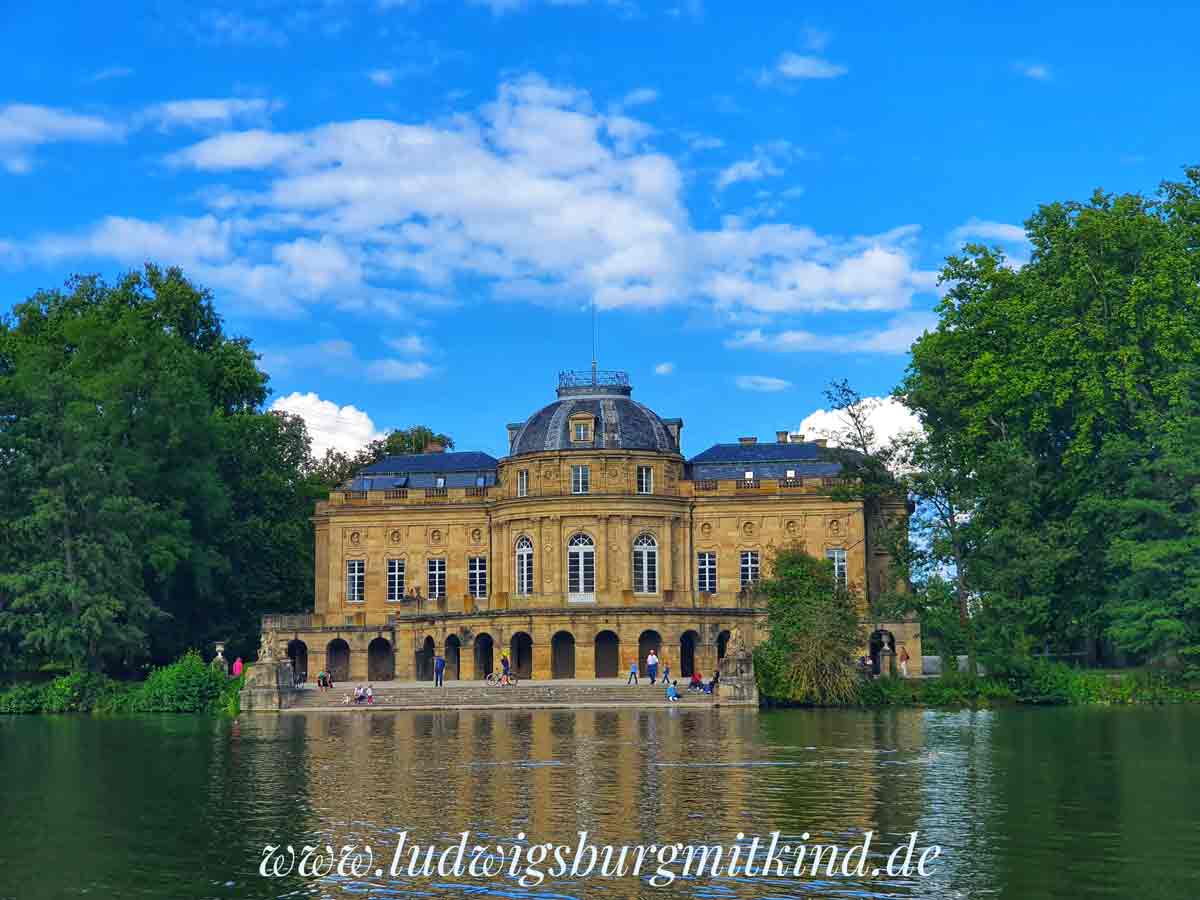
column 722, row 644
column 424, row 660
column 608, row 655
column 485, row 655
column 381, row 661
column 297, row 652
column 687, row 653
column 337, row 660
column 649, row 640
column 880, row 639
column 520, row 655
column 562, row 655
column 453, row 658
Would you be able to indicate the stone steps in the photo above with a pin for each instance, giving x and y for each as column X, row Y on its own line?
column 527, row 693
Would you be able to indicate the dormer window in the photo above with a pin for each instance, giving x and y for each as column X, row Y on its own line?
column 749, row 475
column 581, row 429
column 791, row 473
column 441, row 482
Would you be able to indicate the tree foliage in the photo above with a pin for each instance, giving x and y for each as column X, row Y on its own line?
column 1065, row 393
column 815, row 633
column 148, row 503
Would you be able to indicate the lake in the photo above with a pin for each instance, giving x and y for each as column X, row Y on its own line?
column 1024, row 803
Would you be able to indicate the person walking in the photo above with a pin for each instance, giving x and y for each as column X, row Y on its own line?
column 652, row 666
column 666, row 669
column 439, row 671
column 633, row 674
column 903, row 657
column 504, row 665
column 238, row 665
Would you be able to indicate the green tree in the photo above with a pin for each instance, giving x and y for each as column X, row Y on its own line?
column 815, row 633
column 1061, row 386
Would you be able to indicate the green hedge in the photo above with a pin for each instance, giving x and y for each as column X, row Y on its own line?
column 187, row 686
column 1034, row 682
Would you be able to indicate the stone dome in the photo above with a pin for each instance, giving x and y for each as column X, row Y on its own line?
column 617, row 421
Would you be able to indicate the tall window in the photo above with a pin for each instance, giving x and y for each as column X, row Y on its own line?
column 356, row 579
column 581, row 566
column 523, row 483
column 580, row 479
column 837, row 556
column 645, row 565
column 395, row 580
column 645, row 480
column 582, row 432
column 706, row 572
column 477, row 576
column 437, row 578
column 749, row 567
column 525, row 566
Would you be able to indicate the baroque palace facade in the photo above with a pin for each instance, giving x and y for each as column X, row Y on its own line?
column 593, row 541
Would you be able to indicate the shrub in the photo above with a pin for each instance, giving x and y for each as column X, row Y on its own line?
column 22, row 699
column 188, row 685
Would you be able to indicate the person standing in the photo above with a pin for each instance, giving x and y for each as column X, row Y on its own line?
column 238, row 665
column 903, row 657
column 633, row 674
column 666, row 664
column 652, row 666
column 439, row 671
column 504, row 664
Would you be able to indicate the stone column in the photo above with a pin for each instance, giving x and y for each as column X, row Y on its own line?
column 666, row 553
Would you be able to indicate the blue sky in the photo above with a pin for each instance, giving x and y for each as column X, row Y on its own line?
column 409, row 205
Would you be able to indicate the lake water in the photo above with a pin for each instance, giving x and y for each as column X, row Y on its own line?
column 1025, row 803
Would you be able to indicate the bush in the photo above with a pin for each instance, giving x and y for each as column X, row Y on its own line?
column 189, row 685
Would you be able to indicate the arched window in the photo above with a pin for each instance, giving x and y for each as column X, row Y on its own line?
column 645, row 565
column 524, row 566
column 581, row 568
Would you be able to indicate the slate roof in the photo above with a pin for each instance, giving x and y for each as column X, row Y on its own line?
column 619, row 424
column 771, row 461
column 421, row 470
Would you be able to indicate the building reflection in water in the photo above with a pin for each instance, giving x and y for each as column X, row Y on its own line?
column 624, row 776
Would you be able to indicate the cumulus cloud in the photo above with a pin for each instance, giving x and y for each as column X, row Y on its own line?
column 344, row 428
column 887, row 417
column 768, row 161
column 536, row 196
column 988, row 231
column 24, row 127
column 664, row 368
column 763, row 383
column 897, row 337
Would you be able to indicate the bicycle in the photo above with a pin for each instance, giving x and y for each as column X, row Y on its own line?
column 495, row 679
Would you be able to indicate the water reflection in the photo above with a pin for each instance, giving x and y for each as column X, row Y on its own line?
column 1026, row 803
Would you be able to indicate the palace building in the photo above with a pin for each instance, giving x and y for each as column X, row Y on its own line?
column 592, row 541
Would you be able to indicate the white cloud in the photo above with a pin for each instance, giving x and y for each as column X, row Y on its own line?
column 767, row 162
column 397, row 370
column 231, row 27
column 762, row 383
column 800, row 67
column 412, row 344
column 664, row 368
column 383, row 77
column 537, row 195
column 886, row 416
column 110, row 73
column 338, row 357
column 988, row 231
column 209, row 112
column 896, row 338
column 24, row 126
column 1033, row 70
column 330, row 426
column 639, row 97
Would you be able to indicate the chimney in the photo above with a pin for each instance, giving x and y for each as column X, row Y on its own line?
column 781, row 437
column 435, row 447
column 747, row 441
column 514, row 428
column 820, row 442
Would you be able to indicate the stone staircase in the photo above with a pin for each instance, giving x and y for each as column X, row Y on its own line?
column 564, row 694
